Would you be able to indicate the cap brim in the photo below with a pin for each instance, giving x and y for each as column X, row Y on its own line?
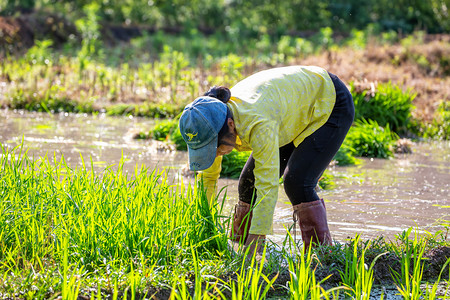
column 203, row 158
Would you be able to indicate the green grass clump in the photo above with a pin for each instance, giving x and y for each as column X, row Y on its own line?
column 388, row 105
column 103, row 216
column 178, row 140
column 345, row 156
column 162, row 130
column 149, row 110
column 168, row 131
column 326, row 182
column 369, row 139
column 439, row 128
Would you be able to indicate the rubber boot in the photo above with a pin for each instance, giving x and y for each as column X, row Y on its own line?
column 242, row 220
column 312, row 217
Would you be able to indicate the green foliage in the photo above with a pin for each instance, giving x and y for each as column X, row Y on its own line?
column 357, row 40
column 252, row 18
column 439, row 128
column 231, row 67
column 369, row 139
column 50, row 100
column 345, row 156
column 324, row 38
column 152, row 110
column 169, row 131
column 162, row 130
column 40, row 53
column 303, row 284
column 89, row 28
column 408, row 284
column 103, row 216
column 326, row 181
column 175, row 61
column 388, row 105
column 233, row 163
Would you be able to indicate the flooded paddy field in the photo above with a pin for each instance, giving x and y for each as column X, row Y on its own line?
column 375, row 198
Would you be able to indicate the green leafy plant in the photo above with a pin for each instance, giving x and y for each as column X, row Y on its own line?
column 40, row 53
column 407, row 282
column 250, row 278
column 326, row 181
column 169, row 131
column 357, row 276
column 231, row 66
column 345, row 156
column 302, row 283
column 369, row 139
column 162, row 130
column 431, row 289
column 439, row 127
column 388, row 105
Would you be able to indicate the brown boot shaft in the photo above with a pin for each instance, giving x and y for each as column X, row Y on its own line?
column 312, row 218
column 242, row 220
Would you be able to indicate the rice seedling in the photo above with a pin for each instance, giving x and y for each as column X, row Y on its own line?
column 248, row 283
column 178, row 140
column 388, row 105
column 345, row 156
column 326, row 181
column 163, row 130
column 302, row 277
column 104, row 218
column 439, row 128
column 349, row 274
column 357, row 276
column 70, row 288
column 231, row 67
column 431, row 291
column 408, row 284
column 369, row 139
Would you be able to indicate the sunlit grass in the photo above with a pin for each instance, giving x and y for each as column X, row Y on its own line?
column 112, row 218
column 73, row 231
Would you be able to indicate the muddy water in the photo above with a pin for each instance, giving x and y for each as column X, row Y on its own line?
column 377, row 197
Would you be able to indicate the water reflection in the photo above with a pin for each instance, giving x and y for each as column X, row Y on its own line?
column 377, row 197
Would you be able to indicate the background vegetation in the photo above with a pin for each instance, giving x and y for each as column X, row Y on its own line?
column 243, row 19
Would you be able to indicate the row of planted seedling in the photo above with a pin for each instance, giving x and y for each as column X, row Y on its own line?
column 68, row 231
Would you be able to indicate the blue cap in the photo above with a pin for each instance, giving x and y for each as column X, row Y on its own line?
column 200, row 124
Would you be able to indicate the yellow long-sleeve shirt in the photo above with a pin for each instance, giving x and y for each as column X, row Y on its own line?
column 273, row 108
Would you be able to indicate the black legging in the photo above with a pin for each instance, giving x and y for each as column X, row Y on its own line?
column 303, row 166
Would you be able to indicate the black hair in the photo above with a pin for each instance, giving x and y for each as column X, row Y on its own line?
column 224, row 131
column 220, row 93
